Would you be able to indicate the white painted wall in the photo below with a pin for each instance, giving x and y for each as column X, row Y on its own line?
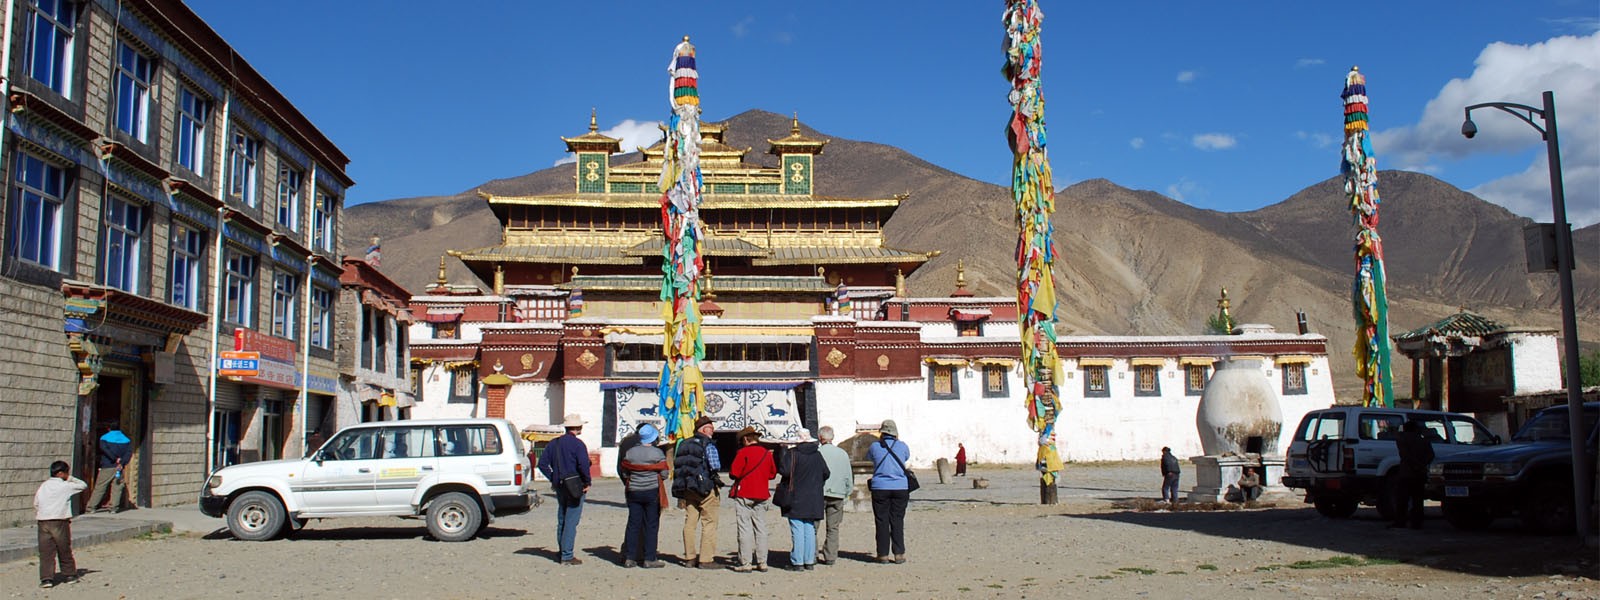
column 1535, row 362
column 434, row 402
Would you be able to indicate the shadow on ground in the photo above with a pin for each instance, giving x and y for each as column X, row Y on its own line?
column 1500, row 552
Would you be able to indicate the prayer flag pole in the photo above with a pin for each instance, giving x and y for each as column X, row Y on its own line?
column 681, row 388
column 1034, row 194
column 1368, row 297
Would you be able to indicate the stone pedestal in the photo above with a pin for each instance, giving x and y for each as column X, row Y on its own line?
column 1213, row 475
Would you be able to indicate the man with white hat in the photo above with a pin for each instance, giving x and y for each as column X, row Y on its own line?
column 565, row 463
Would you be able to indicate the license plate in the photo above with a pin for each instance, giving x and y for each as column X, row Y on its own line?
column 1455, row 491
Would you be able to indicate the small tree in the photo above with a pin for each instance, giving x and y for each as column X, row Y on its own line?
column 1589, row 369
column 1219, row 325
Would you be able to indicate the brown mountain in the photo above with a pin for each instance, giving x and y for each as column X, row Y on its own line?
column 1129, row 261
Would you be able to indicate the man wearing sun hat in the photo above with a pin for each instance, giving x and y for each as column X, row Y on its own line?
column 695, row 482
column 567, row 456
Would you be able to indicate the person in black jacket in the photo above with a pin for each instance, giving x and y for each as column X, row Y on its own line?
column 1416, row 452
column 804, row 472
column 696, row 468
column 1170, row 470
column 116, row 451
column 564, row 457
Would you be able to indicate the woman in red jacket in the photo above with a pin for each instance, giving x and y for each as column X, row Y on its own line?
column 752, row 471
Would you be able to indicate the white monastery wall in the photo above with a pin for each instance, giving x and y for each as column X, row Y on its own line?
column 1535, row 363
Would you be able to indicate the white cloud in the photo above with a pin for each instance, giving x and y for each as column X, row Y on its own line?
column 1578, row 25
column 783, row 37
column 1308, row 62
column 1568, row 66
column 1317, row 139
column 633, row 135
column 742, row 28
column 1213, row 141
column 1186, row 76
column 1183, row 189
column 1137, row 143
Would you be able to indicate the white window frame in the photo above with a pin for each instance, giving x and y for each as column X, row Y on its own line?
column 122, row 224
column 285, row 303
column 322, row 317
column 58, row 65
column 290, row 182
column 190, row 147
column 186, row 268
column 322, row 223
column 132, row 80
column 239, row 297
column 42, row 245
column 244, row 157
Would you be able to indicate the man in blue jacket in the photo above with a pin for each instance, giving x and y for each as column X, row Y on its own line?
column 890, row 493
column 564, row 457
column 116, row 451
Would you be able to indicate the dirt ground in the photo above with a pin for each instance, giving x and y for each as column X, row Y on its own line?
column 962, row 543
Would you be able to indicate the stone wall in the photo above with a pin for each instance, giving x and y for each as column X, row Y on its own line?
column 38, row 395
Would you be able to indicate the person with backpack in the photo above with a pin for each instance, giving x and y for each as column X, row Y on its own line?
column 695, row 481
column 752, row 471
column 890, row 492
column 804, row 472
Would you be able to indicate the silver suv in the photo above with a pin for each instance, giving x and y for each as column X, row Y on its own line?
column 1343, row 456
column 457, row 473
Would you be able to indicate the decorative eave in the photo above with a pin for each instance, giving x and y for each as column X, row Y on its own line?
column 796, row 142
column 726, row 284
column 712, row 201
column 1462, row 324
column 178, row 185
column 594, row 141
column 24, row 102
column 294, row 246
column 121, row 152
column 133, row 308
column 360, row 273
column 242, row 219
column 841, row 256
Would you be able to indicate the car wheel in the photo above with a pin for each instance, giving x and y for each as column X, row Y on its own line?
column 256, row 516
column 454, row 517
column 1336, row 506
column 1466, row 515
column 1548, row 508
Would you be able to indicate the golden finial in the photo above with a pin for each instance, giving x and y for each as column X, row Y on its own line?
column 900, row 283
column 499, row 279
column 442, row 281
column 794, row 126
column 961, row 274
column 710, row 293
column 686, row 38
column 1222, row 303
column 594, row 124
column 574, row 272
column 1355, row 68
column 821, row 271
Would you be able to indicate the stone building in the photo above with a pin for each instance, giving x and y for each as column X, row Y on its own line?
column 373, row 351
column 164, row 203
column 808, row 323
column 1469, row 363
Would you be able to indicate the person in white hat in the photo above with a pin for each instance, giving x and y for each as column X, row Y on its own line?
column 565, row 463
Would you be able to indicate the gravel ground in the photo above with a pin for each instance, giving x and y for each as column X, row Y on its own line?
column 962, row 543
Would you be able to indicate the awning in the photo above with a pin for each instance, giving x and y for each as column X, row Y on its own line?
column 713, row 386
column 1293, row 359
column 1148, row 361
column 995, row 361
column 970, row 314
column 948, row 361
column 711, row 338
column 1095, row 362
column 449, row 317
column 1197, row 360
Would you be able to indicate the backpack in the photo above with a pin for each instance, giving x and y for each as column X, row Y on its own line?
column 690, row 474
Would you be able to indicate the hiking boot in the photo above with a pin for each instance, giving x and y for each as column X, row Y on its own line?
column 709, row 564
column 572, row 562
column 899, row 559
column 691, row 563
column 47, row 583
column 652, row 564
column 742, row 568
column 761, row 567
column 629, row 564
column 885, row 559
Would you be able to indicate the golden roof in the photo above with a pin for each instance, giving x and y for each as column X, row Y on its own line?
column 710, row 201
column 594, row 140
column 796, row 141
column 839, row 255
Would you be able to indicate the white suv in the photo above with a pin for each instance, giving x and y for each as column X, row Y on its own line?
column 1343, row 456
column 459, row 473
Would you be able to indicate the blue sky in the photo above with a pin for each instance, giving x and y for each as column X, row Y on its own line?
column 1222, row 105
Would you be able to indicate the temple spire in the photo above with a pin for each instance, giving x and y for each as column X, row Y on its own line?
column 442, row 281
column 594, row 122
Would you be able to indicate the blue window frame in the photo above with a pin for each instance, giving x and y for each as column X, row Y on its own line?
column 122, row 246
column 240, row 301
column 194, row 111
column 185, row 277
column 51, row 24
column 134, row 72
column 39, row 195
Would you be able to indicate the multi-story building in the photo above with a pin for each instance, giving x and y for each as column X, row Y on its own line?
column 164, row 203
column 808, row 323
column 373, row 351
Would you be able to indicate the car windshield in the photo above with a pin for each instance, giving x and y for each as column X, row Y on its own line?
column 1551, row 425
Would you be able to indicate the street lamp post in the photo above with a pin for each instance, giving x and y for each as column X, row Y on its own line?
column 1582, row 483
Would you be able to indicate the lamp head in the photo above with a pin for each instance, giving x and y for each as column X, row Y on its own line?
column 1469, row 129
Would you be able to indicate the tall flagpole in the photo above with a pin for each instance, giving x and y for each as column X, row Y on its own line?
column 1368, row 298
column 1034, row 194
column 681, row 388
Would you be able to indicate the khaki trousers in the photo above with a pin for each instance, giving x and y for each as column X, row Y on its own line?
column 701, row 514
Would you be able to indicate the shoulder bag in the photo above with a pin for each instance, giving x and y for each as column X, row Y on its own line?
column 911, row 477
column 572, row 483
